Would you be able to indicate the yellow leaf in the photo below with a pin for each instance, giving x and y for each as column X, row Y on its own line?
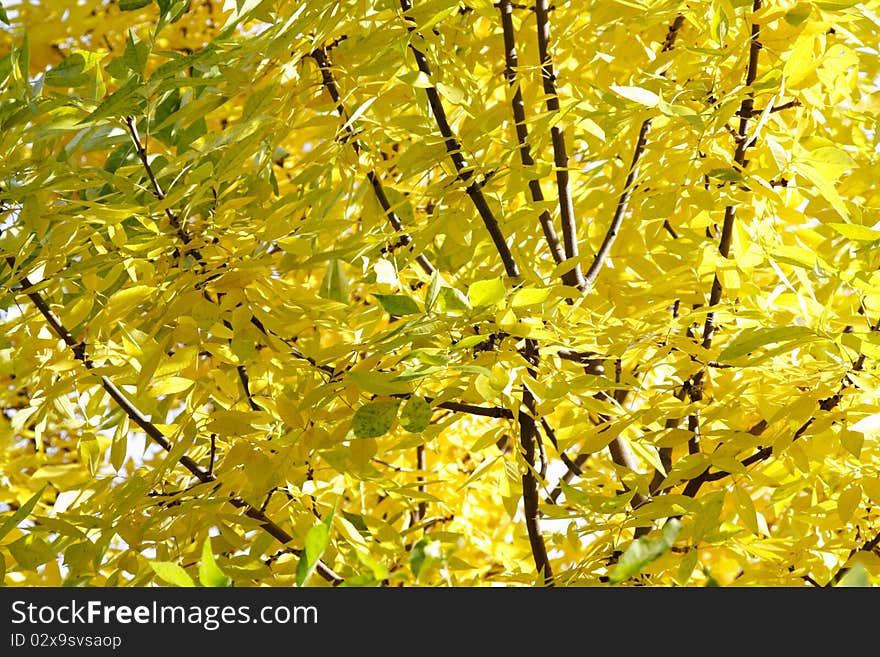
column 746, row 509
column 847, row 502
column 171, row 385
column 637, row 95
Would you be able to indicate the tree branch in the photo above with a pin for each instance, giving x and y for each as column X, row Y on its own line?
column 560, row 155
column 323, row 60
column 464, row 173
column 528, row 433
column 623, row 201
column 150, row 429
column 522, row 135
column 158, row 192
column 695, row 384
column 868, row 546
column 739, row 158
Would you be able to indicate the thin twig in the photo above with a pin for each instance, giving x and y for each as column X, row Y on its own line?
column 522, row 134
column 151, row 430
column 531, row 499
column 557, row 137
column 695, row 384
column 158, row 192
column 323, row 60
column 623, row 201
column 422, row 508
column 464, row 172
column 868, row 546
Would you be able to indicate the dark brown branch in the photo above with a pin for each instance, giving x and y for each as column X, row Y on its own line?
column 695, row 384
column 557, row 137
column 622, row 205
column 422, row 508
column 528, row 432
column 246, row 385
column 868, row 546
column 522, row 135
column 323, row 60
column 464, row 172
column 185, row 238
column 493, row 411
column 574, row 469
column 739, row 158
column 150, row 429
column 623, row 201
column 763, row 453
column 158, row 192
column 774, row 109
column 572, row 466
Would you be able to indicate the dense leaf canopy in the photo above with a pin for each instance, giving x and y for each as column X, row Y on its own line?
column 444, row 292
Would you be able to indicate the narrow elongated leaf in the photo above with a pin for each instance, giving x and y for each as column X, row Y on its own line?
column 637, row 95
column 171, row 573
column 335, row 284
column 397, row 304
column 209, row 573
column 316, row 541
column 131, row 5
column 752, row 339
column 644, row 550
column 21, row 513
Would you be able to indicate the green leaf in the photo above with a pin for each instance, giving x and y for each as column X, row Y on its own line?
column 857, row 576
column 416, row 373
column 644, row 550
column 171, row 573
column 378, row 383
column 69, row 73
column 417, row 557
column 486, row 293
column 131, row 5
column 397, row 304
column 452, row 301
column 133, row 60
column 416, row 415
column 686, row 113
column 750, row 339
column 432, row 292
column 122, row 102
column 728, row 174
column 171, row 11
column 23, row 511
column 720, row 24
column 317, row 539
column 335, row 284
column 5, row 19
column 374, row 419
column 209, row 572
column 31, row 551
column 473, row 369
